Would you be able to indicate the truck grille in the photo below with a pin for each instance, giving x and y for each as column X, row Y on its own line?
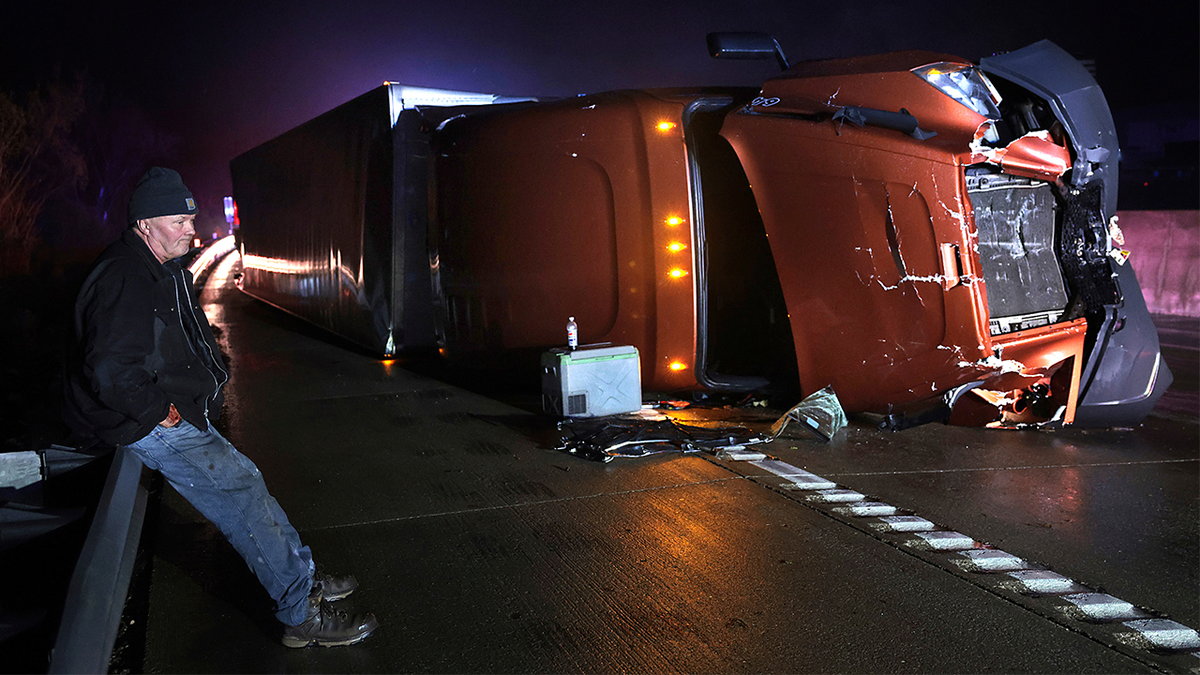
column 1015, row 218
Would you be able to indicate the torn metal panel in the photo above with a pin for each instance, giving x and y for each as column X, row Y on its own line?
column 1035, row 405
column 1047, row 70
column 1040, row 365
column 1034, row 155
column 1124, row 374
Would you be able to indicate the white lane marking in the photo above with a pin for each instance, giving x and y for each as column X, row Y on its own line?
column 800, row 478
column 1166, row 634
column 780, row 468
column 1103, row 607
column 810, row 483
column 1090, row 605
column 947, row 541
column 907, row 524
column 1018, row 468
column 739, row 453
column 1045, row 581
column 994, row 560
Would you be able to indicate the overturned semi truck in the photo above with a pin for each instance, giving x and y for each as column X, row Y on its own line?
column 933, row 238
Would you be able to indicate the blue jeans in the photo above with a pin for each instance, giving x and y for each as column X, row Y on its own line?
column 225, row 486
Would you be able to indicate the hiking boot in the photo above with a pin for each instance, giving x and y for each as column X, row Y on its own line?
column 329, row 627
column 333, row 588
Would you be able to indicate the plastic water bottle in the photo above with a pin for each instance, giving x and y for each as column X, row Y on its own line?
column 572, row 334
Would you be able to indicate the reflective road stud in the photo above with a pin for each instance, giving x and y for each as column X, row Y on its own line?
column 1084, row 604
column 994, row 560
column 838, row 495
column 1045, row 581
column 907, row 524
column 1103, row 607
column 1166, row 634
column 864, row 509
column 947, row 541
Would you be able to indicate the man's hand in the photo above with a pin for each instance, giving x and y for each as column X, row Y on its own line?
column 173, row 418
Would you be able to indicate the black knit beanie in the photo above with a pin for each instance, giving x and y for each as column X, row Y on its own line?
column 160, row 192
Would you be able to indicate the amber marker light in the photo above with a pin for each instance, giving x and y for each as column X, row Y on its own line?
column 666, row 126
column 673, row 220
column 676, row 247
column 677, row 366
column 677, row 273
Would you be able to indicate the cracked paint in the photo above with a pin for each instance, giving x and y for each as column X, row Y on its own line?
column 995, row 363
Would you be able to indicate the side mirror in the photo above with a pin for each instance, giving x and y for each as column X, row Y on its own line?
column 745, row 46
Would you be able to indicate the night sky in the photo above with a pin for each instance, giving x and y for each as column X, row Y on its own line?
column 227, row 75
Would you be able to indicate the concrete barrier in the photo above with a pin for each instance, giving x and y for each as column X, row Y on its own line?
column 1165, row 253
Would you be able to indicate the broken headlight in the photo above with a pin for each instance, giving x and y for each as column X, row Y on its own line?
column 965, row 84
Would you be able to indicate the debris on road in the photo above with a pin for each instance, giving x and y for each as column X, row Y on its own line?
column 649, row 432
column 639, row 435
column 820, row 413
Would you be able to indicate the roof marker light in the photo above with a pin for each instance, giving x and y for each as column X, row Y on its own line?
column 677, row 366
column 677, row 273
column 673, row 220
column 665, row 126
column 676, row 247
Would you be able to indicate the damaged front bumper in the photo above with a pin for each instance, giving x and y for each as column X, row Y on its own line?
column 971, row 271
column 1119, row 374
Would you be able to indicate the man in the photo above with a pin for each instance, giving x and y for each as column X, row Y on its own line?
column 147, row 375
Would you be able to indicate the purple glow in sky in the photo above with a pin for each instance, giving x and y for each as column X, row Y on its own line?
column 225, row 76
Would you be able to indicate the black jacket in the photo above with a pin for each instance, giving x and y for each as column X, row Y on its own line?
column 141, row 344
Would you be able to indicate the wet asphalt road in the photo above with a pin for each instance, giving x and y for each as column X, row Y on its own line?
column 482, row 549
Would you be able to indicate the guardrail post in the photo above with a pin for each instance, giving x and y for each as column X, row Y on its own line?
column 100, row 582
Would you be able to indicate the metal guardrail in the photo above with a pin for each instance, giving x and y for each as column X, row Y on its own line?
column 100, row 582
